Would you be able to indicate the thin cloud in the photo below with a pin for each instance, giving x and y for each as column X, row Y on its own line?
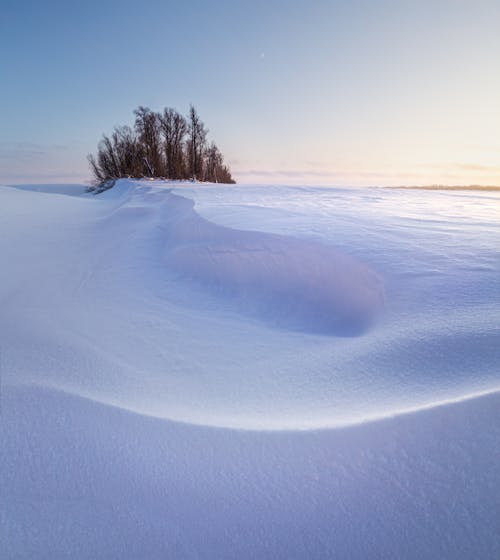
column 43, row 178
column 462, row 167
column 28, row 150
column 320, row 174
column 477, row 167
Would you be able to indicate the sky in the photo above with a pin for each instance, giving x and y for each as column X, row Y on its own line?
column 338, row 92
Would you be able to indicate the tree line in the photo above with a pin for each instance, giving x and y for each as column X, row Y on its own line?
column 161, row 145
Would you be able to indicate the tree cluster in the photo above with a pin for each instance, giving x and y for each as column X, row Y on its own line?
column 161, row 145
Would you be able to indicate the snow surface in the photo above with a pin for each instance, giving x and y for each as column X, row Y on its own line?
column 249, row 372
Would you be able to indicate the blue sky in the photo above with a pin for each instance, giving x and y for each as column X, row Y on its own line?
column 331, row 92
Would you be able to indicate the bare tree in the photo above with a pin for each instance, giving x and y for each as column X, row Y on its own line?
column 163, row 144
column 214, row 168
column 105, row 166
column 117, row 156
column 196, row 143
column 224, row 175
column 129, row 153
column 174, row 128
column 147, row 126
column 213, row 161
column 97, row 172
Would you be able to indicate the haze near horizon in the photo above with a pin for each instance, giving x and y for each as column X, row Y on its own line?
column 330, row 92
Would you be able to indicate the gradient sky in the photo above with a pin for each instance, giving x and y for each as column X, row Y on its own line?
column 341, row 92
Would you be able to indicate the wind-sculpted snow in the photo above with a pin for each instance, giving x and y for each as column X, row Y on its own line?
column 132, row 298
column 85, row 480
column 292, row 282
column 137, row 323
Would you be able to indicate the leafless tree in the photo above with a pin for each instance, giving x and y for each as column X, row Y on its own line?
column 117, row 156
column 147, row 127
column 129, row 152
column 173, row 128
column 105, row 166
column 214, row 168
column 213, row 161
column 196, row 143
column 159, row 145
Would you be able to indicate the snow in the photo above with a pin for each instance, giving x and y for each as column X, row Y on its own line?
column 204, row 371
column 301, row 283
column 71, row 189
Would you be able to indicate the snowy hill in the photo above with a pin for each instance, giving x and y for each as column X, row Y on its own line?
column 213, row 371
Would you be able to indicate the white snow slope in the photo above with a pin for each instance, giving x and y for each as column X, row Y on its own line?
column 249, row 372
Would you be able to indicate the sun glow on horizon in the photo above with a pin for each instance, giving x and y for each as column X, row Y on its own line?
column 346, row 93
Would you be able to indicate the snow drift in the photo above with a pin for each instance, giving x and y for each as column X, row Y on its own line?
column 295, row 283
column 177, row 380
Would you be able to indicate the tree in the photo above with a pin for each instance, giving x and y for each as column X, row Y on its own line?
column 105, row 166
column 214, row 168
column 117, row 156
column 196, row 144
column 147, row 127
column 173, row 127
column 128, row 152
column 160, row 145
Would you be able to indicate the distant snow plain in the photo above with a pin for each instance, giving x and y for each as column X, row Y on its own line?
column 212, row 371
